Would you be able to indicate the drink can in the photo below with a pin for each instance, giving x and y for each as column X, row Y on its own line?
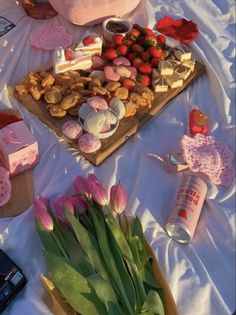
column 187, row 208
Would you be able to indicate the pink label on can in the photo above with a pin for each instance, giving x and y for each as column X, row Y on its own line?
column 188, row 203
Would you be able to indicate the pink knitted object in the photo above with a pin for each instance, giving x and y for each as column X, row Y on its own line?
column 207, row 155
column 50, row 37
column 5, row 187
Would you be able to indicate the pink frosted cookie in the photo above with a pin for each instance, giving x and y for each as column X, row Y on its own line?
column 121, row 61
column 89, row 143
column 110, row 74
column 72, row 129
column 97, row 102
column 97, row 62
column 5, row 187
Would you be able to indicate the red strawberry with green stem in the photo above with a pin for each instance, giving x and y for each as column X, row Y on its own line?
column 145, row 68
column 144, row 79
column 110, row 54
column 151, row 40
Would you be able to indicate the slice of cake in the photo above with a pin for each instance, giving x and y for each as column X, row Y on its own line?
column 189, row 63
column 174, row 81
column 182, row 53
column 182, row 71
column 158, row 82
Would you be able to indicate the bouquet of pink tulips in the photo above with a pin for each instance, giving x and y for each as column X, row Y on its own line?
column 95, row 256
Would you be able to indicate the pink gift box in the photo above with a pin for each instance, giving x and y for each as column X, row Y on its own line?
column 18, row 148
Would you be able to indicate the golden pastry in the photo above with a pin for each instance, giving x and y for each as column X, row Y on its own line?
column 130, row 109
column 122, row 93
column 57, row 111
column 34, row 78
column 36, row 91
column 53, row 95
column 112, row 86
column 70, row 100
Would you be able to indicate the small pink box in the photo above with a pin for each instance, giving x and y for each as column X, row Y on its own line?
column 18, row 148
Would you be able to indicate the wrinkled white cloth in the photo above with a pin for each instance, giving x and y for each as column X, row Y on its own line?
column 201, row 275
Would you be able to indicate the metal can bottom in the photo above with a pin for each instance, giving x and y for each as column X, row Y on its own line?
column 178, row 233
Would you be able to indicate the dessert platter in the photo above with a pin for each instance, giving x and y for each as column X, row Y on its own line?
column 104, row 89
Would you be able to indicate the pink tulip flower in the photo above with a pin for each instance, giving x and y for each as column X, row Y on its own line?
column 79, row 204
column 42, row 215
column 81, row 186
column 118, row 198
column 97, row 190
column 62, row 203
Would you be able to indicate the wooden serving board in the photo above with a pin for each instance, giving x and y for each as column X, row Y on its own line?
column 128, row 126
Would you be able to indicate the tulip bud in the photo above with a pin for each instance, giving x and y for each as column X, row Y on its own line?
column 79, row 204
column 42, row 215
column 97, row 190
column 81, row 186
column 62, row 203
column 118, row 198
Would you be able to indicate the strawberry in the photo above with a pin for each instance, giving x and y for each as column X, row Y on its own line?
column 147, row 31
column 182, row 213
column 69, row 54
column 118, row 39
column 144, row 79
column 155, row 52
column 110, row 54
column 198, row 122
column 145, row 55
column 136, row 62
column 88, row 40
column 155, row 61
column 122, row 50
column 131, row 56
column 128, row 84
column 150, row 40
column 137, row 48
column 128, row 42
column 133, row 34
column 145, row 68
column 161, row 39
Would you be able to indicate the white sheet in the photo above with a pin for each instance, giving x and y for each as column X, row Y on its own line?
column 201, row 275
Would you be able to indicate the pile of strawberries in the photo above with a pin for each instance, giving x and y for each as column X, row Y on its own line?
column 142, row 47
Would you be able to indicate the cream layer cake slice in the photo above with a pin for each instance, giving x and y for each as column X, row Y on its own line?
column 182, row 53
column 174, row 81
column 182, row 71
column 158, row 82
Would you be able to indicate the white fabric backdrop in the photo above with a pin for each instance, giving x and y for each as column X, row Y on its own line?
column 201, row 275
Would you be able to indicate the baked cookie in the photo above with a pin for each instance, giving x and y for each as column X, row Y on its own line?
column 56, row 111
column 130, row 109
column 112, row 86
column 70, row 100
column 122, row 93
column 53, row 95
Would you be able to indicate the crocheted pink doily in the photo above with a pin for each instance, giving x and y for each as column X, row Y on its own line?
column 50, row 37
column 207, row 155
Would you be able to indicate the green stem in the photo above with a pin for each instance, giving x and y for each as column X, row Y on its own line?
column 60, row 246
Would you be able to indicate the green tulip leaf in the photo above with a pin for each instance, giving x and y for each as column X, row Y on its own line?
column 153, row 303
column 74, row 287
column 89, row 245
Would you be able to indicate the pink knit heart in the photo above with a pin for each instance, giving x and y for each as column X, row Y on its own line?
column 207, row 155
column 50, row 37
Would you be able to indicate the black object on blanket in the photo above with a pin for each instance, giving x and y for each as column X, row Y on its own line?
column 5, row 26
